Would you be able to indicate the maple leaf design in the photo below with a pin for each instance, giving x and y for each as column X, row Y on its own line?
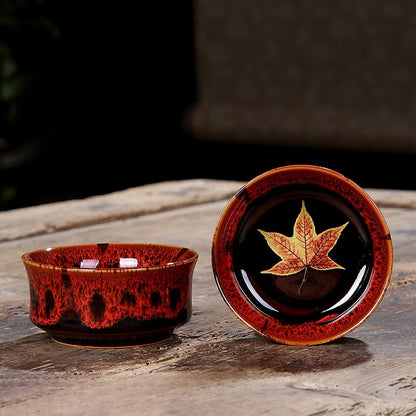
column 305, row 249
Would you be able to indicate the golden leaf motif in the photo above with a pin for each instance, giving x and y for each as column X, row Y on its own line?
column 305, row 249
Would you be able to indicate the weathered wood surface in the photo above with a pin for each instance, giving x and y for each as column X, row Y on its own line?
column 131, row 202
column 213, row 365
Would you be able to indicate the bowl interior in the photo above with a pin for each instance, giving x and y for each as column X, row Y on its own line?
column 111, row 256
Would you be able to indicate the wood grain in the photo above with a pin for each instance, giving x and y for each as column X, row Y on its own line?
column 213, row 365
column 128, row 203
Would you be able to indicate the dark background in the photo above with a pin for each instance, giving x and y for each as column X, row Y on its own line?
column 92, row 99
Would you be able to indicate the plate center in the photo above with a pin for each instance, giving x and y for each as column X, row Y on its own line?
column 301, row 253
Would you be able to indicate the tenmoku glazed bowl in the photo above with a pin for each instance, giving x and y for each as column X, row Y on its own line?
column 110, row 294
column 302, row 255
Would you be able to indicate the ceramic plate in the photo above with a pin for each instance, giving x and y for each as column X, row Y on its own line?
column 302, row 255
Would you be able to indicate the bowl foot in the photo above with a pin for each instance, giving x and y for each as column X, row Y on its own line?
column 113, row 341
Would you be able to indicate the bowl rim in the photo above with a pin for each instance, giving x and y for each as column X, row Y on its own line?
column 222, row 254
column 27, row 261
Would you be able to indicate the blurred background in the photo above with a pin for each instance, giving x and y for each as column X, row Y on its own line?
column 100, row 96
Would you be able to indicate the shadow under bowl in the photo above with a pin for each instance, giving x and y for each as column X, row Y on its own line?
column 110, row 294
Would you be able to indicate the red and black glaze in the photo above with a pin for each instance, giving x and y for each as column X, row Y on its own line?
column 330, row 305
column 110, row 306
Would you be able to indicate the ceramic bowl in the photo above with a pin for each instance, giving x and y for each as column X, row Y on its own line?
column 110, row 294
column 302, row 255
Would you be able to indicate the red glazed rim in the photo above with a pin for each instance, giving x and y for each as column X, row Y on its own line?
column 27, row 258
column 304, row 333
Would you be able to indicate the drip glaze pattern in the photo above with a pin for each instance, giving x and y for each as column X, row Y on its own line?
column 110, row 305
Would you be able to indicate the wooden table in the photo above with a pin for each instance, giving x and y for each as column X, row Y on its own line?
column 213, row 365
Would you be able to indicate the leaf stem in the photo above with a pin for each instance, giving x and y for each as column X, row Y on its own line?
column 303, row 280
